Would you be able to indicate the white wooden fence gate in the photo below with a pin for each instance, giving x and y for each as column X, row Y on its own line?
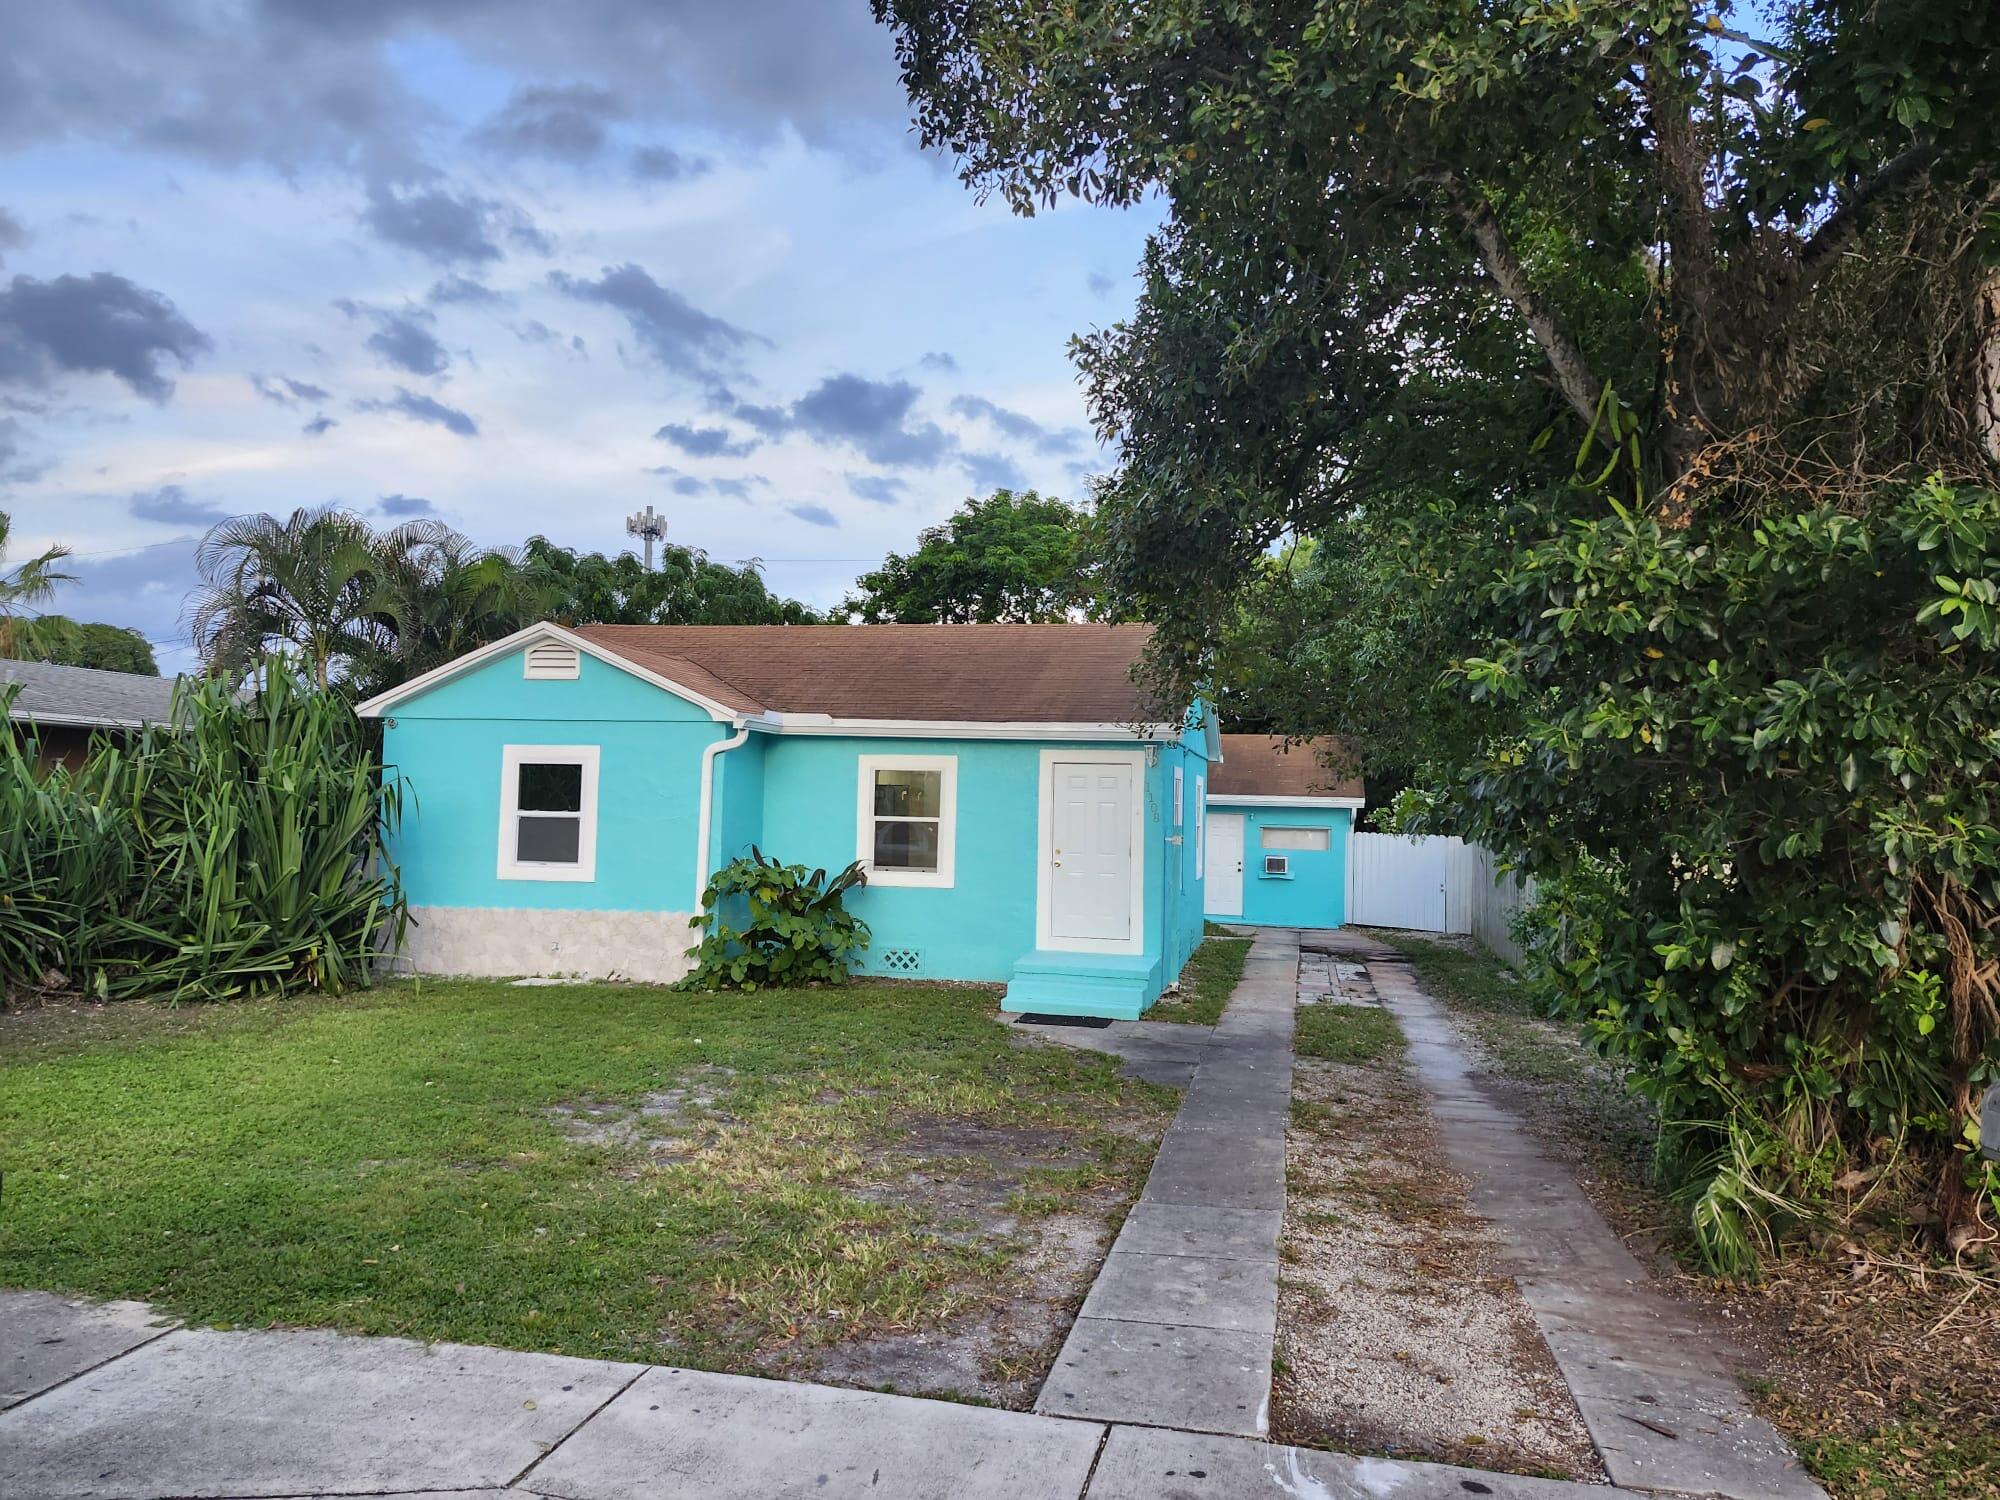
column 1432, row 885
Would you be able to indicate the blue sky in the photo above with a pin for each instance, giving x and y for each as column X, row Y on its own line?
column 523, row 267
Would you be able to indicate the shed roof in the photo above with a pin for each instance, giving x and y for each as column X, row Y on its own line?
column 84, row 695
column 1267, row 765
column 1052, row 674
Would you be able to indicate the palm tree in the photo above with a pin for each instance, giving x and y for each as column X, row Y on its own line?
column 301, row 586
column 29, row 584
column 440, row 596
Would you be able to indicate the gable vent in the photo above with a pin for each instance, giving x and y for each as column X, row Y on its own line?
column 549, row 661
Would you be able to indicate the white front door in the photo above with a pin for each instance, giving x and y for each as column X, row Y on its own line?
column 1224, row 877
column 1090, row 851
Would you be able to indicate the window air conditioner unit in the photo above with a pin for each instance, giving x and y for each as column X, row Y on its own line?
column 1277, row 864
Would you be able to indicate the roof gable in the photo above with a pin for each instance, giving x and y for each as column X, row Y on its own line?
column 1047, row 674
column 1267, row 765
column 936, row 675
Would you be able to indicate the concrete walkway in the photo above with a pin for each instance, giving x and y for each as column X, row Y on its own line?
column 1178, row 1327
column 1651, row 1380
column 273, row 1415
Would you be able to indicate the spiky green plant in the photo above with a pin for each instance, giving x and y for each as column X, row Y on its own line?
column 241, row 849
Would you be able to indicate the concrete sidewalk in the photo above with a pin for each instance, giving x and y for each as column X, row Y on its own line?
column 1178, row 1328
column 114, row 1406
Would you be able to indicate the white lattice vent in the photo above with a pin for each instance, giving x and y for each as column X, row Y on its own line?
column 550, row 661
column 902, row 960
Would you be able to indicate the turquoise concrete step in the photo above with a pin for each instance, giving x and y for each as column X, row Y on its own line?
column 1115, row 987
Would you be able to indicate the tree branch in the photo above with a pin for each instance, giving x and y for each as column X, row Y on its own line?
column 1846, row 221
column 1571, row 367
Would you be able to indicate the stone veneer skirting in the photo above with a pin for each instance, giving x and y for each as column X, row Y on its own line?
column 504, row 942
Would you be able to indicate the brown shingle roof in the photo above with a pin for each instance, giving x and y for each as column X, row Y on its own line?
column 1260, row 765
column 1055, row 674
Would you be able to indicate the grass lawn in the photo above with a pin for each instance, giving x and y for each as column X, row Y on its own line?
column 1347, row 1034
column 1207, row 981
column 596, row 1170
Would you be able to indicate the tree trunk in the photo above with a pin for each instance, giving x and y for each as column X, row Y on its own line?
column 1567, row 362
column 1986, row 388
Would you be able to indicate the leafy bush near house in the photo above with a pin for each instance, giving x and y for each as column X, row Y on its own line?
column 238, row 852
column 1753, row 765
column 796, row 927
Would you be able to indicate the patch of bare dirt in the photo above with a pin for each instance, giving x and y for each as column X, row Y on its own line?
column 1000, row 1355
column 670, row 1124
column 1395, row 1333
column 982, row 1185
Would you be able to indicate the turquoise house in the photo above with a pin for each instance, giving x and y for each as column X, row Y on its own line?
column 1279, row 824
column 1022, row 816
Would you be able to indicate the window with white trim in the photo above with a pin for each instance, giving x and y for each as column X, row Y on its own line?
column 1180, row 797
column 1295, row 838
column 548, row 812
column 907, row 812
column 1200, row 827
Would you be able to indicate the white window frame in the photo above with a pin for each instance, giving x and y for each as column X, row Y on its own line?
column 1180, row 797
column 1200, row 827
column 512, row 758
column 944, row 877
column 1295, row 838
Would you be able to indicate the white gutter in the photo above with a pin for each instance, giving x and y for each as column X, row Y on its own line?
column 706, row 820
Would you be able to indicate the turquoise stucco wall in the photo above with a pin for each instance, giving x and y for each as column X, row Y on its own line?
column 977, row 929
column 792, row 796
column 446, row 746
column 1316, row 893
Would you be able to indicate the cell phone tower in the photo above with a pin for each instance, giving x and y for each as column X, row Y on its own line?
column 649, row 527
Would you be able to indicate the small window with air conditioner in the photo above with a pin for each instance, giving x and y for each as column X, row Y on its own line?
column 1278, row 866
column 550, row 661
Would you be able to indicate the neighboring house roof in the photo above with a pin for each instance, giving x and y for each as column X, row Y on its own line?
column 83, row 695
column 1062, row 674
column 821, row 678
column 1265, row 765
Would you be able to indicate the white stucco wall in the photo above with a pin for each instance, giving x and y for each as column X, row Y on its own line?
column 506, row 942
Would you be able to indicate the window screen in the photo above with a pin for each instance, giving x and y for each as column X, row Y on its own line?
column 909, row 807
column 1295, row 838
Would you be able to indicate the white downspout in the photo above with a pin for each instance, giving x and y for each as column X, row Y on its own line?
column 706, row 820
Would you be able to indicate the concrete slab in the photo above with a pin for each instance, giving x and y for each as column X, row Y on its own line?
column 1165, row 1052
column 1196, row 1291
column 1704, row 1446
column 1240, row 1172
column 205, row 1413
column 696, row 1436
column 1141, row 1464
column 1162, row 1375
column 1188, row 1229
column 46, row 1339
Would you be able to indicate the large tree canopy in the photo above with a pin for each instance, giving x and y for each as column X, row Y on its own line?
column 1601, row 352
column 1009, row 557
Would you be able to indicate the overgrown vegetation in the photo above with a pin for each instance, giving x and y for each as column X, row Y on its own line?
column 416, row 1160
column 1601, row 356
column 238, row 851
column 1207, row 981
column 764, row 924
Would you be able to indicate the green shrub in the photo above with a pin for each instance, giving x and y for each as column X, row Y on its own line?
column 239, row 851
column 795, row 926
column 1752, row 764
